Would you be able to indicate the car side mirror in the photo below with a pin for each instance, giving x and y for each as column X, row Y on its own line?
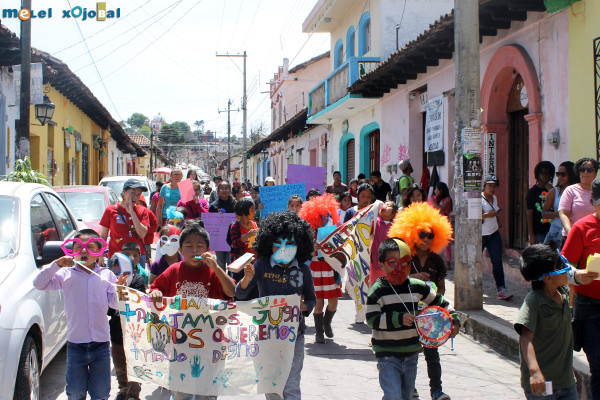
column 50, row 252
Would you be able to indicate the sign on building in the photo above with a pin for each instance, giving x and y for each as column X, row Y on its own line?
column 434, row 125
column 490, row 153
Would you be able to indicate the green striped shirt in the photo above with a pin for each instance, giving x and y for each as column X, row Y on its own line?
column 385, row 312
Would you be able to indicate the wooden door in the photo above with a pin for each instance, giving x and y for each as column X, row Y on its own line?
column 517, row 183
column 373, row 151
column 350, row 172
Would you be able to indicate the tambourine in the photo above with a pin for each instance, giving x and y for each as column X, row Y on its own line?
column 434, row 326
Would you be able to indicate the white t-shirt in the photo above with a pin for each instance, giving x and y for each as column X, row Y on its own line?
column 489, row 225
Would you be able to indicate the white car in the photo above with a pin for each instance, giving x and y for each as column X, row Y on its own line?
column 34, row 222
column 116, row 183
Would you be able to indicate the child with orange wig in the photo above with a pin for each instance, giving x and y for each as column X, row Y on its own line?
column 321, row 212
column 427, row 233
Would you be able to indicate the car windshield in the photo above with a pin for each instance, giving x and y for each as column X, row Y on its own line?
column 9, row 226
column 117, row 186
column 87, row 206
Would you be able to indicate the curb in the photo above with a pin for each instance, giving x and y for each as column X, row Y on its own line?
column 505, row 341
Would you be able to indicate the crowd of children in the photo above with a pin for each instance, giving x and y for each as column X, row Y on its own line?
column 407, row 273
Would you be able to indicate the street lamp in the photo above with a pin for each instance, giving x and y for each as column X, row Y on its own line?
column 44, row 111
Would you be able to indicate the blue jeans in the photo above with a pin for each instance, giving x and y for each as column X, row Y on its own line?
column 143, row 260
column 563, row 394
column 292, row 386
column 493, row 243
column 88, row 370
column 434, row 368
column 588, row 312
column 397, row 376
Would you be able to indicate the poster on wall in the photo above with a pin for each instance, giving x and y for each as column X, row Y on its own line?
column 434, row 125
column 471, row 160
column 489, row 141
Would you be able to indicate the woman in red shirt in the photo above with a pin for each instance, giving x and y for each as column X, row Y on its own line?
column 126, row 221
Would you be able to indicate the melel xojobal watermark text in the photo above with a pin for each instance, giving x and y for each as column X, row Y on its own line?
column 101, row 13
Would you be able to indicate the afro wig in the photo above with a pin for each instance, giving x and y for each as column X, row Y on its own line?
column 286, row 224
column 320, row 206
column 420, row 217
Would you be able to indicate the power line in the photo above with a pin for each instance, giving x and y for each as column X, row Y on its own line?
column 103, row 29
column 125, row 43
column 151, row 43
column 95, row 66
column 120, row 36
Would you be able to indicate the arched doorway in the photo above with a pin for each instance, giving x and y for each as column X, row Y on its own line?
column 511, row 103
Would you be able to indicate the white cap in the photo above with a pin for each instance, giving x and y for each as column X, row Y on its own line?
column 270, row 179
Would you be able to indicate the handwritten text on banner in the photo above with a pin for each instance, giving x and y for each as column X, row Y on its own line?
column 210, row 347
column 275, row 198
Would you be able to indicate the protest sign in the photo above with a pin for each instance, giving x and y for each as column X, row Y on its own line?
column 186, row 190
column 312, row 177
column 349, row 248
column 217, row 224
column 210, row 347
column 275, row 198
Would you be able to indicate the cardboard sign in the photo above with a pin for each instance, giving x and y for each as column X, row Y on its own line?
column 312, row 177
column 210, row 347
column 275, row 198
column 186, row 190
column 349, row 248
column 217, row 224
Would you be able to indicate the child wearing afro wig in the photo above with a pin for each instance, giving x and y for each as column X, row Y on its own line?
column 284, row 244
column 321, row 212
column 427, row 233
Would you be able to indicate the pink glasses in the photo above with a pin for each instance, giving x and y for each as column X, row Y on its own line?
column 78, row 246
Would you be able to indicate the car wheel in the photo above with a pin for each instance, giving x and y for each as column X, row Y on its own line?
column 28, row 375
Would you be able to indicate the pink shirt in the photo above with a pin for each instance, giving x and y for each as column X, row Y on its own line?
column 577, row 200
column 87, row 299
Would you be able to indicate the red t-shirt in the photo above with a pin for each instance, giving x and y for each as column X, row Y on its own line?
column 182, row 280
column 583, row 240
column 120, row 231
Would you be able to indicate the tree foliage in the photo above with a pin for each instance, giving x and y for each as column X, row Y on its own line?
column 24, row 173
column 137, row 120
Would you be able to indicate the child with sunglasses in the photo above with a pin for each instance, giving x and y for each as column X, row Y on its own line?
column 544, row 325
column 427, row 233
column 89, row 291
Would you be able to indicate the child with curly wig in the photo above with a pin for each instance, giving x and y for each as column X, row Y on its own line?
column 319, row 212
column 284, row 244
column 427, row 232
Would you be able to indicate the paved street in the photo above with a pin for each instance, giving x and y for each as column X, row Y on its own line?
column 346, row 369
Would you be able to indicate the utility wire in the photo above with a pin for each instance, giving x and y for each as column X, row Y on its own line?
column 151, row 43
column 103, row 29
column 120, row 36
column 95, row 66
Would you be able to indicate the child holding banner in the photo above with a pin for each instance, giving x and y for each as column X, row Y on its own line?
column 193, row 277
column 321, row 213
column 243, row 234
column 89, row 291
column 387, row 213
column 427, row 232
column 392, row 307
column 284, row 244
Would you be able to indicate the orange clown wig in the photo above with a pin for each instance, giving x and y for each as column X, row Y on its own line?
column 318, row 208
column 421, row 217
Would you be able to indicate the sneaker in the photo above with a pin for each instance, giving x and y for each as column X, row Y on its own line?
column 121, row 396
column 416, row 394
column 439, row 395
column 504, row 294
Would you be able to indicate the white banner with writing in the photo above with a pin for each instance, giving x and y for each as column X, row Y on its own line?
column 210, row 347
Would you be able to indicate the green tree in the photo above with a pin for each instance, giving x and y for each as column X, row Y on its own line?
column 137, row 120
column 199, row 126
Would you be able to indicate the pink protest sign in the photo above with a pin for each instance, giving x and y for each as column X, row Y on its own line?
column 186, row 190
column 217, row 225
column 312, row 177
